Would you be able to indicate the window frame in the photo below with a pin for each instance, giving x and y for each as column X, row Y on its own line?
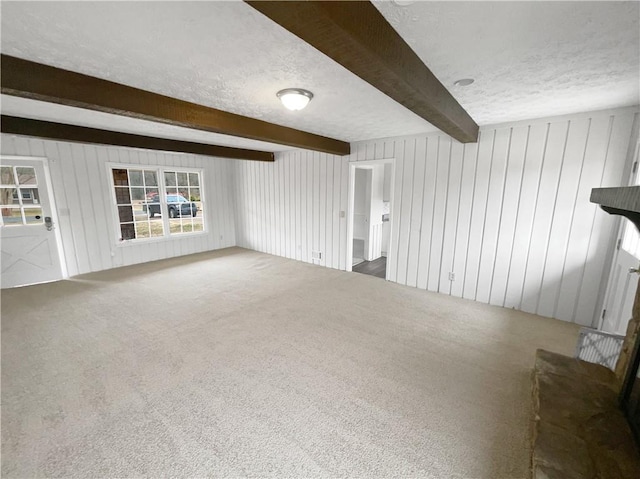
column 160, row 170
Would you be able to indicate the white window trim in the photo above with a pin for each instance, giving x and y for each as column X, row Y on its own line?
column 115, row 218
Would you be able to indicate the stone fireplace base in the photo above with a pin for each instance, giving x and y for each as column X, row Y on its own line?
column 579, row 430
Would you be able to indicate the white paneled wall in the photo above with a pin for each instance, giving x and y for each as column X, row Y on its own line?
column 84, row 201
column 509, row 216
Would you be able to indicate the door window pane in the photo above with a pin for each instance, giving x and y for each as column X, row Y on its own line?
column 33, row 216
column 6, row 176
column 30, row 196
column 26, row 175
column 11, row 216
column 9, row 196
column 20, row 206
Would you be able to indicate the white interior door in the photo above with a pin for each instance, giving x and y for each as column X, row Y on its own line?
column 29, row 242
column 623, row 279
column 375, row 188
column 622, row 284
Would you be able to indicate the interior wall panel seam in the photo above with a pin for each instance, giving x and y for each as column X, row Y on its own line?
column 535, row 212
column 572, row 220
column 446, row 205
column 593, row 221
column 486, row 207
column 500, row 216
column 515, row 227
column 406, row 275
column 473, row 194
column 553, row 212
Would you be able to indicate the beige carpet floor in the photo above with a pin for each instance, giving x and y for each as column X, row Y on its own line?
column 240, row 364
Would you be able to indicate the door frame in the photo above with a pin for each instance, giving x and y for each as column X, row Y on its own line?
column 52, row 204
column 622, row 226
column 351, row 202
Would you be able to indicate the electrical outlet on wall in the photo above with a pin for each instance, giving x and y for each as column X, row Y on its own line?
column 316, row 255
column 452, row 276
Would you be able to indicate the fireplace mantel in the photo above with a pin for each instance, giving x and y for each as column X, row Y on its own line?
column 580, row 429
column 624, row 201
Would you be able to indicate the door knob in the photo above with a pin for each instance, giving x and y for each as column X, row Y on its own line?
column 48, row 222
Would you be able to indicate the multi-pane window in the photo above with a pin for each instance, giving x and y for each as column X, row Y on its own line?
column 183, row 190
column 19, row 197
column 154, row 203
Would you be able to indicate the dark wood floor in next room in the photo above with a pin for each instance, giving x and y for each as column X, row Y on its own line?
column 377, row 267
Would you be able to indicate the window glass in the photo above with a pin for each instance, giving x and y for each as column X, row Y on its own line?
column 19, row 197
column 146, row 209
column 26, row 175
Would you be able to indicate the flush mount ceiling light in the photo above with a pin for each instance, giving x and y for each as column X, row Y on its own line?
column 295, row 98
column 464, row 82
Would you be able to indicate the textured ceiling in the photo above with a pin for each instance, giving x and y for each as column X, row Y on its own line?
column 220, row 54
column 529, row 59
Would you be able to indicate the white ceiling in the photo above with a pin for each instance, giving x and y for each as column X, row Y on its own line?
column 529, row 59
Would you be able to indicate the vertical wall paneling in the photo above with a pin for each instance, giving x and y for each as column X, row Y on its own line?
column 461, row 236
column 322, row 206
column 509, row 216
column 335, row 226
column 428, row 204
column 328, row 234
column 439, row 206
column 97, row 181
column 493, row 212
column 344, row 198
column 451, row 217
column 547, row 188
column 419, row 165
column 406, row 196
column 510, row 203
column 400, row 231
column 82, row 190
column 562, row 216
column 605, row 226
column 478, row 210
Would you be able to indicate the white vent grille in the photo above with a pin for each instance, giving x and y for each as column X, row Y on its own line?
column 599, row 347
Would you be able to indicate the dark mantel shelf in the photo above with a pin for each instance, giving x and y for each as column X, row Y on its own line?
column 624, row 201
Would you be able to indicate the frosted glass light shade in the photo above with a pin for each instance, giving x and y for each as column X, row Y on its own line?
column 295, row 98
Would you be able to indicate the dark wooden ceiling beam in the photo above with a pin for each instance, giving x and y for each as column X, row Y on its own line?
column 357, row 36
column 81, row 134
column 36, row 81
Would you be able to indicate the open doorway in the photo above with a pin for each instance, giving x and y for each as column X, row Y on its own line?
column 370, row 218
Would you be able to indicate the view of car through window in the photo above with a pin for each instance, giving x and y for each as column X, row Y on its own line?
column 144, row 213
column 177, row 205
